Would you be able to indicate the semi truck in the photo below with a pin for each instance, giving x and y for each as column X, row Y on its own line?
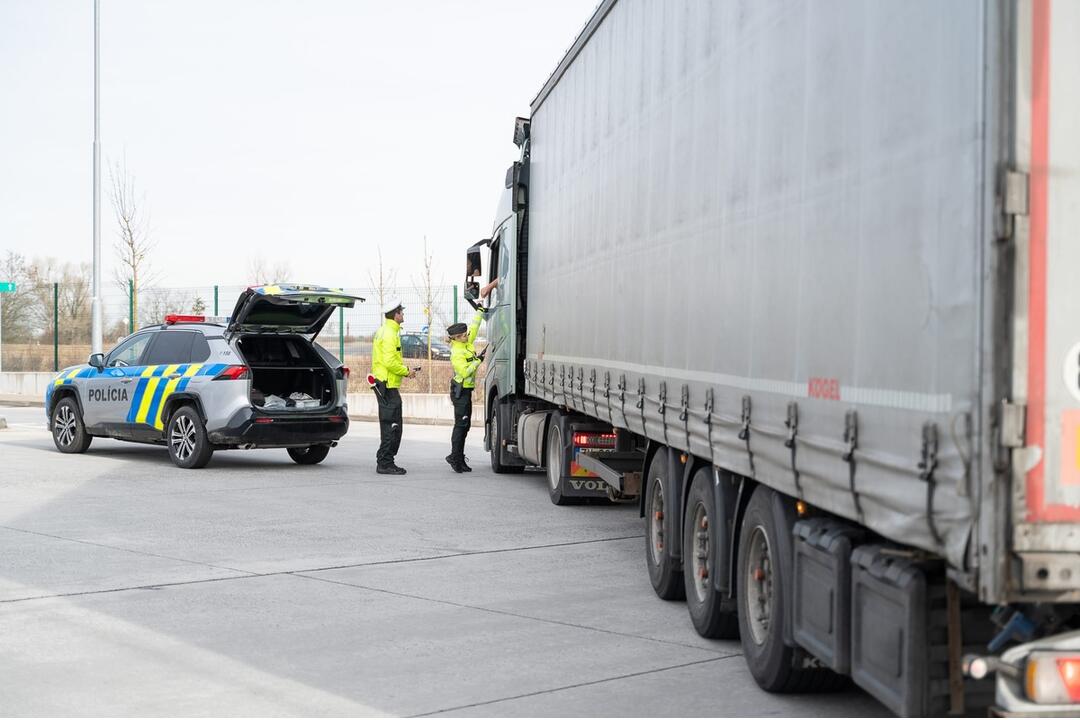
column 801, row 279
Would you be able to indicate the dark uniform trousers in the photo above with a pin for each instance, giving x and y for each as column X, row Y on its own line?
column 389, row 423
column 462, row 399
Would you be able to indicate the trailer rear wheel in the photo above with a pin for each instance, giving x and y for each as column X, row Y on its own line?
column 664, row 571
column 709, row 609
column 763, row 596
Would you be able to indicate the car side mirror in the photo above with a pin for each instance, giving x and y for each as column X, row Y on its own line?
column 97, row 360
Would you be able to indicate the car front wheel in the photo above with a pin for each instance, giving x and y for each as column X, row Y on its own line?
column 68, row 431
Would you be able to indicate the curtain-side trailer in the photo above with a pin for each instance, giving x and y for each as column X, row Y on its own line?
column 802, row 277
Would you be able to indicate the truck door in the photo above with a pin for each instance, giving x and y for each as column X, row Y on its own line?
column 502, row 320
column 1046, row 382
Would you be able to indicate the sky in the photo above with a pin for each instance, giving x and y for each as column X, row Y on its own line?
column 305, row 133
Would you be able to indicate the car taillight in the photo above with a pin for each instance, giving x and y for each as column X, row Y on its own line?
column 343, row 373
column 233, row 372
column 1053, row 678
column 263, row 420
column 336, row 418
column 594, row 440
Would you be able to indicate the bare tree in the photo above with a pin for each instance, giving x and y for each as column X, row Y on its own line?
column 16, row 307
column 426, row 288
column 159, row 302
column 134, row 243
column 260, row 272
column 382, row 281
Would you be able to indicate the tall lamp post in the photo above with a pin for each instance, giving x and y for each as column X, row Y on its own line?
column 95, row 303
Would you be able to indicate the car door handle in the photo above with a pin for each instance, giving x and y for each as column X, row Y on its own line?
column 125, row 381
column 173, row 376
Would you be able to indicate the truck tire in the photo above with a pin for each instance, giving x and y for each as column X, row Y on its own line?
column 310, row 455
column 709, row 610
column 555, row 465
column 68, row 430
column 664, row 571
column 497, row 432
column 763, row 597
column 189, row 447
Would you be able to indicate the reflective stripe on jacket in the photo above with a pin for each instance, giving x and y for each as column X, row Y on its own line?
column 386, row 362
column 463, row 356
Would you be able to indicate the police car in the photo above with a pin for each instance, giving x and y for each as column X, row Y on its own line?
column 197, row 384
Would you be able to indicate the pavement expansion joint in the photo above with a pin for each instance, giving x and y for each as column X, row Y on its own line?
column 121, row 549
column 507, row 613
column 577, row 685
column 247, row 575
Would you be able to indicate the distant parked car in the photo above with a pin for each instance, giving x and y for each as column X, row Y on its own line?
column 415, row 345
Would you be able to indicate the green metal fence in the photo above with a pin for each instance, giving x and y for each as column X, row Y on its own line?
column 46, row 326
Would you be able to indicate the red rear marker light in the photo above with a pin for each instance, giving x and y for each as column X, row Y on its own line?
column 336, row 418
column 173, row 319
column 263, row 421
column 233, row 372
column 1053, row 678
column 1069, row 668
column 343, row 372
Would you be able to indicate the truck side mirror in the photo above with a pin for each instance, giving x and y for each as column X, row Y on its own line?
column 97, row 360
column 473, row 263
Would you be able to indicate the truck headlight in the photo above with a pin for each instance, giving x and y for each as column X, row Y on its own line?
column 1053, row 678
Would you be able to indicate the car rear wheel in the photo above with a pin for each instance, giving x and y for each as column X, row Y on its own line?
column 310, row 455
column 189, row 447
column 68, row 431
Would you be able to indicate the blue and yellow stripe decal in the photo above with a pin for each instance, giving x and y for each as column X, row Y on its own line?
column 157, row 383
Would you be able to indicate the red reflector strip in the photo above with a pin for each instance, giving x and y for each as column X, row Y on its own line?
column 598, row 440
column 172, row 319
column 263, row 421
column 1069, row 668
column 336, row 419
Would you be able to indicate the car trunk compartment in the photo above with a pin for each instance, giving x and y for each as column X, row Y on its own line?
column 283, row 367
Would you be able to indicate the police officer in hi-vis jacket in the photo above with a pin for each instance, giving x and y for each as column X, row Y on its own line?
column 466, row 362
column 388, row 368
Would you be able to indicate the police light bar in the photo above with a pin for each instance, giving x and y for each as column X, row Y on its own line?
column 215, row 319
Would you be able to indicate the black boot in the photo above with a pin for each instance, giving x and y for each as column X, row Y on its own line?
column 464, row 467
column 455, row 464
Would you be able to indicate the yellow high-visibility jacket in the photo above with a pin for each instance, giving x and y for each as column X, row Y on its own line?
column 386, row 362
column 463, row 355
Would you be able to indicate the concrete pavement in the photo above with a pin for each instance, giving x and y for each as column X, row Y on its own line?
column 259, row 587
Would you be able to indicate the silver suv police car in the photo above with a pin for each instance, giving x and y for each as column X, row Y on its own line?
column 256, row 381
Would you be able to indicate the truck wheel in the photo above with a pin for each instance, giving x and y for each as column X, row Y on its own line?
column 310, row 455
column 189, row 447
column 710, row 613
column 761, row 589
column 68, row 431
column 664, row 572
column 497, row 432
column 555, row 466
